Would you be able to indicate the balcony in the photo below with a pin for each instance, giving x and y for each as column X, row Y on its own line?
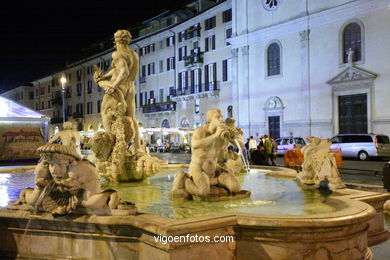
column 142, row 80
column 159, row 107
column 193, row 59
column 197, row 91
column 192, row 32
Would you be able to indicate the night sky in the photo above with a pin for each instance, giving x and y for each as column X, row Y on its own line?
column 37, row 37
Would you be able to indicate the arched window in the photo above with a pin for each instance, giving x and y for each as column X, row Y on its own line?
column 273, row 59
column 165, row 124
column 352, row 38
column 185, row 122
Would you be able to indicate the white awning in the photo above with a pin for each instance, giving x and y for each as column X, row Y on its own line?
column 12, row 111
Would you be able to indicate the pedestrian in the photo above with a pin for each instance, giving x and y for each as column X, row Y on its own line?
column 274, row 151
column 159, row 142
column 252, row 145
column 246, row 146
column 268, row 150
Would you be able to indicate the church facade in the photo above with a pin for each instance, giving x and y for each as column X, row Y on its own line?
column 307, row 67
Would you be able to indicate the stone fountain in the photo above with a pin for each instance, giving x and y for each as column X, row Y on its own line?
column 68, row 215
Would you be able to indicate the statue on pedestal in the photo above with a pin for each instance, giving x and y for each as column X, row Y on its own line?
column 117, row 162
column 319, row 164
column 208, row 175
column 350, row 57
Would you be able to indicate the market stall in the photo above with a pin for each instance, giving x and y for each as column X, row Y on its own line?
column 22, row 131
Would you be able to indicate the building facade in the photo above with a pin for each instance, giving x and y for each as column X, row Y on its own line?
column 24, row 95
column 291, row 70
column 296, row 67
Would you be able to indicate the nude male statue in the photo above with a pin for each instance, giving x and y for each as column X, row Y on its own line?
column 68, row 136
column 119, row 84
column 207, row 143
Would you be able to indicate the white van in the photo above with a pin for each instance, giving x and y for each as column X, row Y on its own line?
column 289, row 143
column 362, row 146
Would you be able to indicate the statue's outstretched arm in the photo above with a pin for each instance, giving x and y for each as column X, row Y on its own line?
column 55, row 138
column 199, row 142
column 98, row 75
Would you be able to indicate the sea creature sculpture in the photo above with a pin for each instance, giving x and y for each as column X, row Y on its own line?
column 65, row 184
column 319, row 164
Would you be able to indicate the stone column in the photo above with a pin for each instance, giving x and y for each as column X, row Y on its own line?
column 235, row 103
column 305, row 79
column 243, row 94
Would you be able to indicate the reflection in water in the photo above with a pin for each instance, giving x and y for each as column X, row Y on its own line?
column 4, row 198
column 269, row 196
column 12, row 184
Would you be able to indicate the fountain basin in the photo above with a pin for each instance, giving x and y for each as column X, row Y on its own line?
column 340, row 229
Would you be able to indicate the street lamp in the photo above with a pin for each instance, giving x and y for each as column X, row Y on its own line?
column 63, row 82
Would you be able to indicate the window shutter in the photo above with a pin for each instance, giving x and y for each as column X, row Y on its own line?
column 186, row 79
column 180, row 81
column 224, row 70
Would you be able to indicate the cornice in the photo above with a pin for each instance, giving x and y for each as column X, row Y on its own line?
column 319, row 19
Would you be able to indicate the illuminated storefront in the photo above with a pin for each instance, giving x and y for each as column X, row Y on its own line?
column 22, row 131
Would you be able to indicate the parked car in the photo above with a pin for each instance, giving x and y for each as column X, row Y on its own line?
column 362, row 146
column 289, row 143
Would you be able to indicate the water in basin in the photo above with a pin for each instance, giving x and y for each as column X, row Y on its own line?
column 269, row 196
column 12, row 183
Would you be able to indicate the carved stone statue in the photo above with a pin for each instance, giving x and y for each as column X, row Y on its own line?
column 118, row 116
column 208, row 175
column 386, row 206
column 350, row 57
column 319, row 164
column 233, row 160
column 68, row 136
column 65, row 184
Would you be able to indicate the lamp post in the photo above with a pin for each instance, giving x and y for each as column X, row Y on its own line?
column 63, row 82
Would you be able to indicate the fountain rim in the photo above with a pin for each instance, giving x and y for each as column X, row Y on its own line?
column 348, row 212
column 355, row 212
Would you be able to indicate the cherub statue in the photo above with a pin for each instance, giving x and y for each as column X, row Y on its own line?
column 68, row 136
column 64, row 183
column 319, row 164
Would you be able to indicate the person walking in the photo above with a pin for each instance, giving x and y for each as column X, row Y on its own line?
column 274, row 151
column 252, row 145
column 268, row 150
column 261, row 151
